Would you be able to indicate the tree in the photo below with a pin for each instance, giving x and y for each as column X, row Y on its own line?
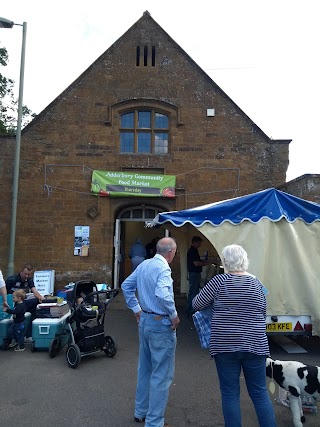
column 8, row 102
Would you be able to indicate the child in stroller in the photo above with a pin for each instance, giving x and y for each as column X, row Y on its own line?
column 86, row 323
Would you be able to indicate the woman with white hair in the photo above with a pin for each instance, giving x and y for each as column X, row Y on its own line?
column 238, row 337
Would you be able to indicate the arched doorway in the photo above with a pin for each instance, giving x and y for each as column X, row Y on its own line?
column 130, row 225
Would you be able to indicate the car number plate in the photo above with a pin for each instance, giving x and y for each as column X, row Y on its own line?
column 279, row 327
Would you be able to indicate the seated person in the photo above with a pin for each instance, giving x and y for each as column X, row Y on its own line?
column 23, row 280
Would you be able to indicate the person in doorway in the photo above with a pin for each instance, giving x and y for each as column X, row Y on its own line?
column 238, row 337
column 16, row 329
column 3, row 291
column 137, row 254
column 151, row 248
column 24, row 281
column 194, row 265
column 158, row 320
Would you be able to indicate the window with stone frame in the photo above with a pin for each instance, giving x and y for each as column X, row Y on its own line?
column 144, row 132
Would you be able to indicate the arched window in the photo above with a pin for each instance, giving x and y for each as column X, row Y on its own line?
column 144, row 132
column 139, row 213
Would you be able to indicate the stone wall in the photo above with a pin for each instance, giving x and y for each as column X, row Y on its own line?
column 306, row 187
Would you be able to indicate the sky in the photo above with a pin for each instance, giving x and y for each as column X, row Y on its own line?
column 263, row 55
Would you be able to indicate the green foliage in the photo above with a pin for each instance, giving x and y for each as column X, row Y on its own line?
column 8, row 102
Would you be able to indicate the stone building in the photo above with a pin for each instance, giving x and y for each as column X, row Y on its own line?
column 305, row 186
column 143, row 108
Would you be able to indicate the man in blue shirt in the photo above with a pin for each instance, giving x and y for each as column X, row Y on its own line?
column 158, row 319
column 137, row 254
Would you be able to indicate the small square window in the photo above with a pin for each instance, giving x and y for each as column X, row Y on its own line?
column 127, row 142
column 144, row 142
column 144, row 120
column 161, row 121
column 127, row 121
column 161, row 143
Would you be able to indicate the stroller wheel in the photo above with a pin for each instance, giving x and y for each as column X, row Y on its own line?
column 73, row 355
column 55, row 347
column 110, row 348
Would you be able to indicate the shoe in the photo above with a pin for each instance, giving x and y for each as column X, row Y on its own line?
column 139, row 420
column 19, row 348
column 13, row 343
column 28, row 340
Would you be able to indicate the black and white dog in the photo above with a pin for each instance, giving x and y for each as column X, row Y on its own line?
column 297, row 379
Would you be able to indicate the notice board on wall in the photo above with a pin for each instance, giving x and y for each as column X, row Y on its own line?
column 81, row 240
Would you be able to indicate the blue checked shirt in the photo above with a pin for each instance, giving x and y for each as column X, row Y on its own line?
column 152, row 279
column 202, row 323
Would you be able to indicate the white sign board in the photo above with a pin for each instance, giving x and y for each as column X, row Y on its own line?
column 44, row 282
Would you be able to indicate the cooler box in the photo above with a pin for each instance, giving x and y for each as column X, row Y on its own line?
column 44, row 330
column 4, row 314
column 4, row 326
column 5, row 323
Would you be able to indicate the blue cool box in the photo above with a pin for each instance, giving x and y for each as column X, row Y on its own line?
column 3, row 314
column 4, row 326
column 45, row 329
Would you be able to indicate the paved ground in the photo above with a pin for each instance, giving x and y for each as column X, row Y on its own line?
column 38, row 391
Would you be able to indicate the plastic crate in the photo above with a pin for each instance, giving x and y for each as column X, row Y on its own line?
column 3, row 314
column 45, row 330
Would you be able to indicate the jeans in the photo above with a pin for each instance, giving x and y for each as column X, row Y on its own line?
column 16, row 331
column 194, row 287
column 254, row 369
column 157, row 344
column 135, row 261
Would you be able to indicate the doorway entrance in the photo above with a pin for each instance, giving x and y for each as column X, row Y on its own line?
column 129, row 226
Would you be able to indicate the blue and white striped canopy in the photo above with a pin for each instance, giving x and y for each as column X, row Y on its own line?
column 271, row 204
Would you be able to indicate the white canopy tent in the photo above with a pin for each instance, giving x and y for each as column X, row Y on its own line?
column 281, row 234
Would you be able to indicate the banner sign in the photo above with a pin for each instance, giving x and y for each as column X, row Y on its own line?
column 136, row 184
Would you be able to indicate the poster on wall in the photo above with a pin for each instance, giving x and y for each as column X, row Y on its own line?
column 132, row 184
column 81, row 240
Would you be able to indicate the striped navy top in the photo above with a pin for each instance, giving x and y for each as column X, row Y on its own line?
column 239, row 311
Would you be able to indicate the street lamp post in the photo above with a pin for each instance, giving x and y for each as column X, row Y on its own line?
column 5, row 23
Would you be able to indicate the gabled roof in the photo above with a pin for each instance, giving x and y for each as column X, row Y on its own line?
column 147, row 17
column 271, row 204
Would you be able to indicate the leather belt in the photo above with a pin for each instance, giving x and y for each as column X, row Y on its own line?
column 156, row 314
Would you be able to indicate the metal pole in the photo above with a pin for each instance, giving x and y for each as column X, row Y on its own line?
column 17, row 158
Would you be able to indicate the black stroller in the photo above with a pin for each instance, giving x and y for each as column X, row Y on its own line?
column 86, row 323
